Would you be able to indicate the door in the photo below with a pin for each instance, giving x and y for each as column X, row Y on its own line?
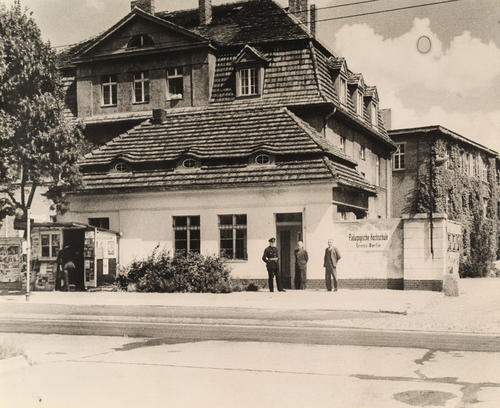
column 75, row 239
column 289, row 232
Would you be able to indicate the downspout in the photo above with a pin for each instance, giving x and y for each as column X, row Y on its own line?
column 326, row 118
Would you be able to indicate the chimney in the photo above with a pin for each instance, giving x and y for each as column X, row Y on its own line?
column 313, row 16
column 387, row 118
column 299, row 9
column 159, row 116
column 205, row 11
column 145, row 5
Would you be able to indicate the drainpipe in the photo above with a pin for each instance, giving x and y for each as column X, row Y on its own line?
column 326, row 118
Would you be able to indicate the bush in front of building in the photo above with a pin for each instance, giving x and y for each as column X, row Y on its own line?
column 191, row 272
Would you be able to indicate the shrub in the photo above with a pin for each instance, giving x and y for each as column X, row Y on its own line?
column 121, row 281
column 160, row 272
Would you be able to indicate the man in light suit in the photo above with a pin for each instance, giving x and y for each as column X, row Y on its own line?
column 332, row 256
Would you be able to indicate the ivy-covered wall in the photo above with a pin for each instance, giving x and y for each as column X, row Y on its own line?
column 465, row 198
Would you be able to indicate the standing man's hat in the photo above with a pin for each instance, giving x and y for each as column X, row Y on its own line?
column 272, row 239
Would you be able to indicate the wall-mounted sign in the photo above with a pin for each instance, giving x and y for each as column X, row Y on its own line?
column 368, row 240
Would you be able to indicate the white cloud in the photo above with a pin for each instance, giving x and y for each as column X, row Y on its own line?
column 465, row 68
column 95, row 4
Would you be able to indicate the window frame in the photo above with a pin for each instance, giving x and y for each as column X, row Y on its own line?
column 234, row 227
column 93, row 220
column 108, row 82
column 188, row 228
column 175, row 76
column 377, row 170
column 143, row 80
column 258, row 81
column 343, row 89
column 342, row 143
column 374, row 114
column 359, row 103
column 398, row 154
column 51, row 246
column 362, row 152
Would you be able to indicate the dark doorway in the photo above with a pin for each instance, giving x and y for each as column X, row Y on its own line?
column 75, row 239
column 289, row 232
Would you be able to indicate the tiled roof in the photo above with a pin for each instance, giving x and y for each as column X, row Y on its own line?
column 354, row 79
column 223, row 141
column 289, row 77
column 335, row 63
column 243, row 22
column 215, row 133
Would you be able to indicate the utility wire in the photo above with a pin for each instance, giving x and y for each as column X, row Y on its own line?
column 295, row 24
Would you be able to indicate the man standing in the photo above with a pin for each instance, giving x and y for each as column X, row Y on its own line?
column 301, row 258
column 332, row 256
column 270, row 257
column 65, row 268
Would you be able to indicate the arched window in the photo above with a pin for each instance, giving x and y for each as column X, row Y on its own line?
column 121, row 167
column 262, row 159
column 140, row 41
column 189, row 164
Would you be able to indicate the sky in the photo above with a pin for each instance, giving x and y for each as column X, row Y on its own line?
column 455, row 84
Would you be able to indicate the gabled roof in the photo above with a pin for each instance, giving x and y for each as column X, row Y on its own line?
column 137, row 13
column 224, row 140
column 355, row 80
column 371, row 92
column 249, row 54
column 336, row 63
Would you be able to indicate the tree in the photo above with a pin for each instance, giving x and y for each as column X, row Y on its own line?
column 38, row 146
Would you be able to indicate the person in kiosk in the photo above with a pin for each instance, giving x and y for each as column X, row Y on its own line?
column 65, row 268
column 271, row 258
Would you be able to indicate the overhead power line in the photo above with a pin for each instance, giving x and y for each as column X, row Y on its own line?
column 368, row 13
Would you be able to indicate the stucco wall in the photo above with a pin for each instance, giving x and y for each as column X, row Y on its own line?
column 145, row 220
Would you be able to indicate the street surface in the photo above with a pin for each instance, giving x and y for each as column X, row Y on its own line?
column 91, row 371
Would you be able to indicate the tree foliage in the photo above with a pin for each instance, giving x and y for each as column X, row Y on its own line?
column 38, row 146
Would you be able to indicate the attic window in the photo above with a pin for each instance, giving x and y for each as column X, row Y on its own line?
column 263, row 159
column 248, row 83
column 343, row 90
column 121, row 167
column 374, row 114
column 189, row 164
column 175, row 83
column 359, row 103
column 140, row 41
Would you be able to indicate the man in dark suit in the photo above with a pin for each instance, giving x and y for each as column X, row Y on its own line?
column 301, row 258
column 271, row 258
column 332, row 256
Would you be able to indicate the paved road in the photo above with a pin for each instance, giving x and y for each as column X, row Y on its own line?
column 185, row 324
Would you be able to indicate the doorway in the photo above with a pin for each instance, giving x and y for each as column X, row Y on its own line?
column 288, row 232
column 75, row 239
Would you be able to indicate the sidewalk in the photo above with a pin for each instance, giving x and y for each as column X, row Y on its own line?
column 476, row 310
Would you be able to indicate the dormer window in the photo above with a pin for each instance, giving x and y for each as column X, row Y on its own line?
column 189, row 164
column 122, row 167
column 359, row 103
column 343, row 90
column 374, row 114
column 175, row 83
column 140, row 41
column 263, row 159
column 249, row 66
column 248, row 81
column 141, row 87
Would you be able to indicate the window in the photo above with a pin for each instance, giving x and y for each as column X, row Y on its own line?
column 448, row 157
column 50, row 244
column 377, row 170
column 140, row 41
column 248, row 83
column 484, row 170
column 175, row 83
column 189, row 164
column 233, row 236
column 374, row 114
column 121, row 167
column 362, row 152
column 101, row 222
column 187, row 234
column 342, row 143
column 343, row 90
column 108, row 90
column 398, row 159
column 141, row 87
column 262, row 159
column 359, row 103
column 485, row 207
